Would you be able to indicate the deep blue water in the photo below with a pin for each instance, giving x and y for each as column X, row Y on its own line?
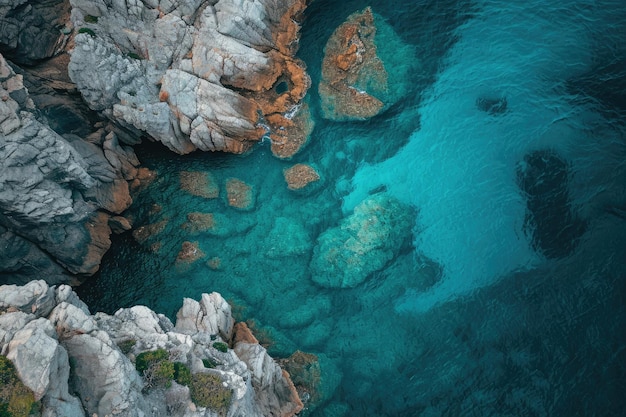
column 510, row 144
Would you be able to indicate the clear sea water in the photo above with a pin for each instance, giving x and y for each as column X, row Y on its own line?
column 510, row 143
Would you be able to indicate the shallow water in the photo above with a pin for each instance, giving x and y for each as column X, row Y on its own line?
column 510, row 143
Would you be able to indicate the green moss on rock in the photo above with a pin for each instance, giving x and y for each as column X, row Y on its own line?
column 207, row 390
column 16, row 400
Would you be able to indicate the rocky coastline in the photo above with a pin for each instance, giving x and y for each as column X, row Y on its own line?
column 209, row 75
column 136, row 362
column 217, row 75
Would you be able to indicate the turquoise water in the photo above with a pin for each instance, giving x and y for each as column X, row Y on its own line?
column 509, row 143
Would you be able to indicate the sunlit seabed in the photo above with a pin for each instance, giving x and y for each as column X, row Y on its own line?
column 488, row 312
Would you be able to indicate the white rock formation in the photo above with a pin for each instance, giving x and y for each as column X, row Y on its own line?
column 45, row 329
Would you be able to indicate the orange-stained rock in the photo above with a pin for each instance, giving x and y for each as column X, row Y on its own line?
column 143, row 233
column 305, row 373
column 189, row 252
column 354, row 80
column 99, row 242
column 243, row 334
column 119, row 224
column 201, row 184
column 239, row 194
column 143, row 179
column 286, row 34
column 300, row 175
column 290, row 134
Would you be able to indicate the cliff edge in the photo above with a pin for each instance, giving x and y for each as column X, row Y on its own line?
column 136, row 362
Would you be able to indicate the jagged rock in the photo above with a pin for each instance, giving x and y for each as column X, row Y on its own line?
column 105, row 379
column 267, row 376
column 50, row 189
column 29, row 30
column 211, row 315
column 363, row 243
column 357, row 82
column 109, row 384
column 35, row 297
column 191, row 77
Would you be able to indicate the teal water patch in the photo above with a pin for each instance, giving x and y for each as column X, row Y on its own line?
column 467, row 316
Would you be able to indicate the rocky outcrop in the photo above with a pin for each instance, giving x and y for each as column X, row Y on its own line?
column 78, row 364
column 365, row 68
column 57, row 193
column 33, row 30
column 363, row 243
column 216, row 75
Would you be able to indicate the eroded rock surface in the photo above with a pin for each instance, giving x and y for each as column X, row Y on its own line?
column 365, row 68
column 33, row 30
column 363, row 243
column 216, row 75
column 57, row 193
column 45, row 329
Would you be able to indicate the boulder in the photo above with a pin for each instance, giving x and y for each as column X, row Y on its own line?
column 211, row 315
column 302, row 178
column 363, row 243
column 365, row 68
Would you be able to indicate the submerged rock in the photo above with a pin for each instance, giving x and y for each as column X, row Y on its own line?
column 363, row 243
column 105, row 350
column 239, row 195
column 143, row 233
column 365, row 69
column 288, row 237
column 201, row 184
column 189, row 252
column 302, row 177
column 550, row 220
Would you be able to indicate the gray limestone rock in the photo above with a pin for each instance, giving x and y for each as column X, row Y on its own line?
column 212, row 315
column 35, row 297
column 30, row 29
column 159, row 68
column 269, row 379
column 51, row 189
column 105, row 379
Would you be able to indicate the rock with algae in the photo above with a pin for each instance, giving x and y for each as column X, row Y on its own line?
column 363, row 243
column 302, row 178
column 365, row 68
column 45, row 329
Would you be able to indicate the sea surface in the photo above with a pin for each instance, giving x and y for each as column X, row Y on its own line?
column 510, row 144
